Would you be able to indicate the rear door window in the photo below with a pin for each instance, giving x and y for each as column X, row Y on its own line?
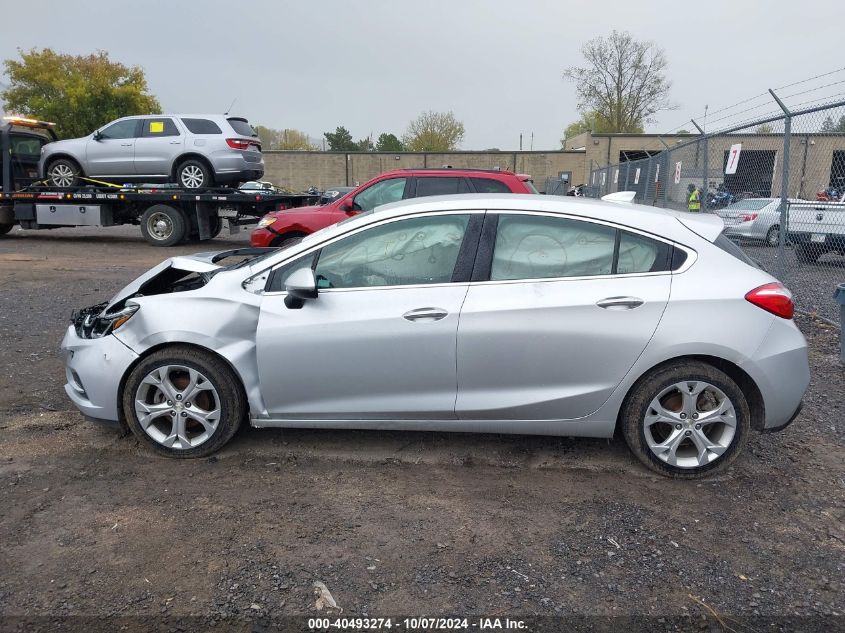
column 440, row 186
column 202, row 126
column 640, row 254
column 730, row 248
column 155, row 128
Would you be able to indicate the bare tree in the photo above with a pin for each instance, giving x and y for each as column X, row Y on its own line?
column 623, row 83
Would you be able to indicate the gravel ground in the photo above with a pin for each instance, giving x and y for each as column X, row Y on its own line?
column 94, row 526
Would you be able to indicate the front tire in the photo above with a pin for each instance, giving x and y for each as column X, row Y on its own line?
column 686, row 420
column 163, row 225
column 5, row 228
column 63, row 173
column 183, row 402
column 194, row 174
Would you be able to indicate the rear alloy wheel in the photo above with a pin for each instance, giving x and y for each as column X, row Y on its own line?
column 773, row 236
column 183, row 402
column 686, row 420
column 192, row 174
column 163, row 225
column 63, row 173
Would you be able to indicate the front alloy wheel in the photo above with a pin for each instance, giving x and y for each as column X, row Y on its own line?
column 177, row 406
column 183, row 401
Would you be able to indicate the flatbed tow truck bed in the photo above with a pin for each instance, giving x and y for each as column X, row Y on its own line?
column 167, row 216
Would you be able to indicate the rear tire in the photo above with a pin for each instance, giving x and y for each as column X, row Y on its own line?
column 163, row 225
column 660, row 420
column 194, row 174
column 63, row 173
column 773, row 236
column 807, row 253
column 183, row 402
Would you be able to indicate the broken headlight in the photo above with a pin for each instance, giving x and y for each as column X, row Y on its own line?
column 95, row 322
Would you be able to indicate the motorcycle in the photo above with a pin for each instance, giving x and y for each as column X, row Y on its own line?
column 831, row 194
column 720, row 198
column 577, row 191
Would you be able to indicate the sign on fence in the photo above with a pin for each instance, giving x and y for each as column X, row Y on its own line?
column 733, row 158
column 637, row 176
column 657, row 173
column 678, row 173
column 603, row 178
column 616, row 177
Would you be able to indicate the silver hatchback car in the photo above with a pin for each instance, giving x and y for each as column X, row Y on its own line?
column 193, row 150
column 495, row 313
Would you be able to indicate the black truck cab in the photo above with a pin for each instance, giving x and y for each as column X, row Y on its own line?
column 21, row 141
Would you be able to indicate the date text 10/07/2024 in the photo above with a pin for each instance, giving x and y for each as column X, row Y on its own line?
column 416, row 624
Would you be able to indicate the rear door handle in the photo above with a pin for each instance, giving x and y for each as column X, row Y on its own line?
column 175, row 142
column 620, row 303
column 425, row 314
column 126, row 144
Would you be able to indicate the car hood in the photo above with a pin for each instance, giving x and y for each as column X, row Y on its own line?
column 185, row 264
column 309, row 209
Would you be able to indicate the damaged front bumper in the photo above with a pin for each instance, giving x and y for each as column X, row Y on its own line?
column 94, row 368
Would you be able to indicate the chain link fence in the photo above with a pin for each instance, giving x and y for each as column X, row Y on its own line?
column 778, row 183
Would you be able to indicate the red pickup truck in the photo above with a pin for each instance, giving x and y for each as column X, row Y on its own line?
column 281, row 228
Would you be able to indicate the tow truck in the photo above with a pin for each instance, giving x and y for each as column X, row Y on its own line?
column 167, row 215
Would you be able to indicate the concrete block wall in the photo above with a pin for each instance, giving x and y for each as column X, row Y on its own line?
column 300, row 170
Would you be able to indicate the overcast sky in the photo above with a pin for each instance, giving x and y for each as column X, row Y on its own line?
column 373, row 65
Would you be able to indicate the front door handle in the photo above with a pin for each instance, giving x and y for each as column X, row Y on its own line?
column 425, row 314
column 126, row 144
column 175, row 142
column 620, row 303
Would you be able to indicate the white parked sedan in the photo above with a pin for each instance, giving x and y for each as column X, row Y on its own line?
column 497, row 313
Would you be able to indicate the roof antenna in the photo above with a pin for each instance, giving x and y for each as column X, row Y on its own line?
column 231, row 105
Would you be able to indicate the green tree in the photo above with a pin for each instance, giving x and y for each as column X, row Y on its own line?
column 829, row 126
column 389, row 143
column 340, row 140
column 764, row 129
column 365, row 145
column 288, row 139
column 433, row 132
column 682, row 132
column 623, row 81
column 590, row 122
column 79, row 92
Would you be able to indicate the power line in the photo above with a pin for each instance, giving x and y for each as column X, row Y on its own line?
column 803, row 81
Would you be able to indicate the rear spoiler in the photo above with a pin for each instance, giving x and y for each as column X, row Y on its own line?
column 620, row 196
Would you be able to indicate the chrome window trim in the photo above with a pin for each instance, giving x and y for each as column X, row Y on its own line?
column 692, row 255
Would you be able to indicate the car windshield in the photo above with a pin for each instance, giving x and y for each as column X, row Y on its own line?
column 749, row 204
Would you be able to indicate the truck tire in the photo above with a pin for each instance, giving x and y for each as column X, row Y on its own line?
column 807, row 253
column 163, row 225
column 194, row 174
column 63, row 172
column 5, row 228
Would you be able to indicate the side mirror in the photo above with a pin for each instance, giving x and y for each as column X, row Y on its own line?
column 347, row 206
column 301, row 285
column 98, row 135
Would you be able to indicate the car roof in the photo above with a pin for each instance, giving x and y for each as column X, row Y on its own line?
column 662, row 222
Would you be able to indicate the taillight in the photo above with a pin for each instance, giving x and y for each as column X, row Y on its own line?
column 237, row 143
column 748, row 217
column 774, row 298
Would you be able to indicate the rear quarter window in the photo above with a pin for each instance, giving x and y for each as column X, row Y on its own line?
column 242, row 127
column 202, row 126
